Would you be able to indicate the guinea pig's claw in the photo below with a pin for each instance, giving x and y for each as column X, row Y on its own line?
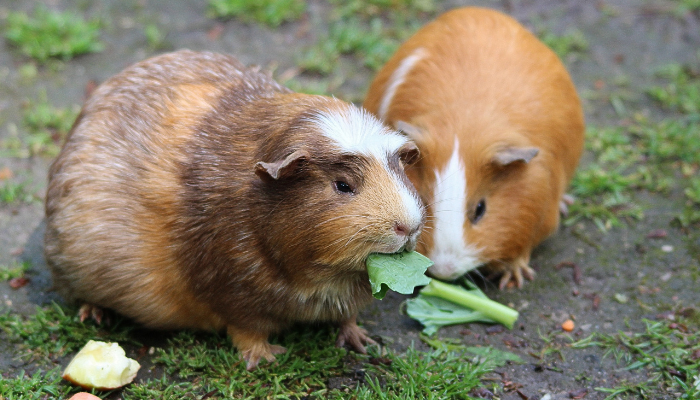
column 90, row 311
column 514, row 276
column 354, row 336
column 267, row 351
column 564, row 203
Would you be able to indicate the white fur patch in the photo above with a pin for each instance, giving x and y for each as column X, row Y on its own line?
column 397, row 78
column 452, row 256
column 356, row 131
column 411, row 202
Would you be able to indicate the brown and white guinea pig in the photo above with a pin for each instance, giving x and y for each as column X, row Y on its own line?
column 500, row 129
column 195, row 193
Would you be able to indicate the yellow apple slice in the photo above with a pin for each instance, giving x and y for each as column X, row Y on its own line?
column 102, row 366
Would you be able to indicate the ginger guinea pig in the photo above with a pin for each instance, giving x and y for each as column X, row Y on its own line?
column 195, row 193
column 500, row 129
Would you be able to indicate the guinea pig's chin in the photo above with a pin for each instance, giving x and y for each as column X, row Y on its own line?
column 390, row 248
column 449, row 269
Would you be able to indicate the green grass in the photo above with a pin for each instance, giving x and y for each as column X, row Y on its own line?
column 683, row 7
column 16, row 270
column 192, row 365
column 53, row 332
column 155, row 36
column 14, row 192
column 47, row 125
column 269, row 12
column 644, row 153
column 682, row 91
column 668, row 351
column 566, row 45
column 367, row 30
column 40, row 385
column 50, row 34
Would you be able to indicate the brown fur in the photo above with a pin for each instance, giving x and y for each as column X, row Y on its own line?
column 492, row 84
column 156, row 208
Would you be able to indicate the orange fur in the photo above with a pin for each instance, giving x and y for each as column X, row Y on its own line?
column 484, row 79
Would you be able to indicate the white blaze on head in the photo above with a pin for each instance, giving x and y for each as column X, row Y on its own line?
column 397, row 78
column 452, row 256
column 356, row 131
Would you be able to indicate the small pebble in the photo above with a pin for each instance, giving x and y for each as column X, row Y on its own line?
column 667, row 248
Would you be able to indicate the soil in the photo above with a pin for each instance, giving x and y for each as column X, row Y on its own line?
column 628, row 41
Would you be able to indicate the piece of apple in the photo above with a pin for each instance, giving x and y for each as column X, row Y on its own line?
column 84, row 396
column 100, row 365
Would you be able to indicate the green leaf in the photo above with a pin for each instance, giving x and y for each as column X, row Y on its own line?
column 400, row 272
column 434, row 313
column 494, row 357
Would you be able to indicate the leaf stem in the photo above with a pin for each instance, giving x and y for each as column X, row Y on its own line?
column 456, row 294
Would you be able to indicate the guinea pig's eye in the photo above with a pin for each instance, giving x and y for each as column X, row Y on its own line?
column 479, row 211
column 342, row 187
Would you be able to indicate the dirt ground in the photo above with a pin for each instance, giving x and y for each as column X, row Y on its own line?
column 628, row 40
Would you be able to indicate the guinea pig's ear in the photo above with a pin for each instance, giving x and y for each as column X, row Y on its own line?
column 412, row 131
column 281, row 168
column 510, row 155
column 409, row 153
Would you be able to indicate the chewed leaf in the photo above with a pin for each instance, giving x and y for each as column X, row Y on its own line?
column 400, row 272
column 434, row 313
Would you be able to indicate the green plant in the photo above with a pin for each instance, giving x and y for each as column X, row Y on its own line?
column 50, row 34
column 54, row 332
column 40, row 385
column 440, row 304
column 359, row 28
column 684, row 7
column 573, row 42
column 269, row 12
column 154, row 36
column 666, row 350
column 11, row 192
column 682, row 92
column 16, row 270
column 47, row 125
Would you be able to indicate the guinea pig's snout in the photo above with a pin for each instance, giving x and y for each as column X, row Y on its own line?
column 407, row 234
column 401, row 229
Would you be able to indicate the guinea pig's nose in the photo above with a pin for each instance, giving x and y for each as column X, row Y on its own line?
column 401, row 229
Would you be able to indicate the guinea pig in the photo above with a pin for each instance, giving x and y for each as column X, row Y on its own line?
column 193, row 192
column 500, row 130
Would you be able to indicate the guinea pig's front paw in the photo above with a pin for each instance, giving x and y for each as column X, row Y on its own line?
column 258, row 351
column 353, row 335
column 513, row 274
column 253, row 346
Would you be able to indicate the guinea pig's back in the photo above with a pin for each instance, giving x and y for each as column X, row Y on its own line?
column 113, row 190
column 482, row 68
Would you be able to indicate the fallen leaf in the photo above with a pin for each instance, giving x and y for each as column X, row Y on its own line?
column 16, row 283
column 5, row 173
column 657, row 234
column 482, row 393
column 493, row 357
column 215, row 32
column 495, row 329
column 578, row 394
